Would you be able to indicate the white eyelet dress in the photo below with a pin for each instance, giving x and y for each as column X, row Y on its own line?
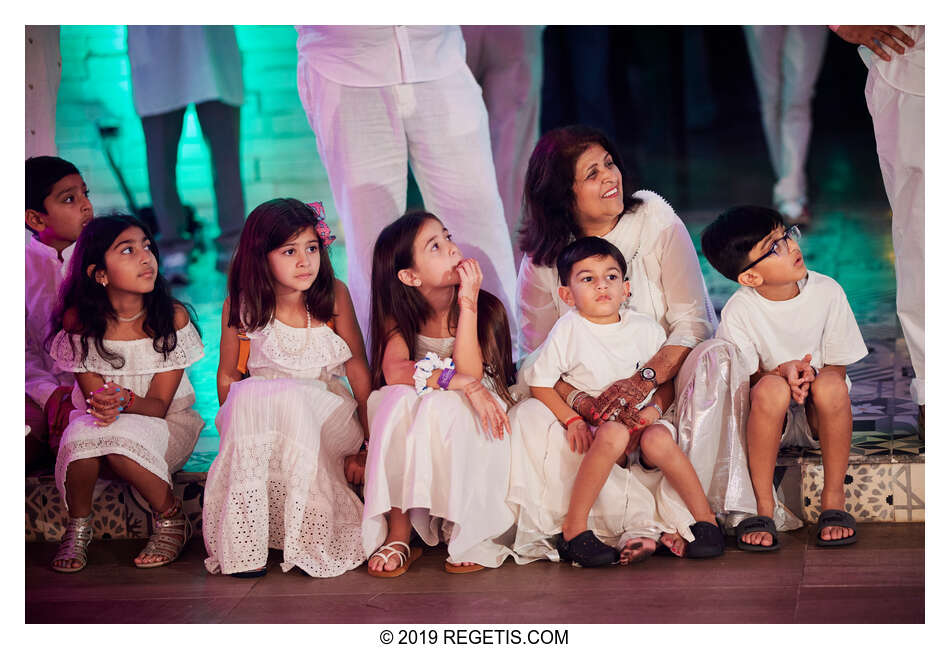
column 429, row 456
column 278, row 480
column 162, row 446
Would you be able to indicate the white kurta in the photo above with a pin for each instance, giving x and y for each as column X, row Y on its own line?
column 278, row 480
column 382, row 99
column 161, row 446
column 176, row 65
column 895, row 97
column 44, row 275
column 429, row 456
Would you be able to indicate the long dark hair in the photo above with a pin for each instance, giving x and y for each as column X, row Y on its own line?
column 250, row 283
column 494, row 339
column 81, row 295
column 406, row 308
column 549, row 222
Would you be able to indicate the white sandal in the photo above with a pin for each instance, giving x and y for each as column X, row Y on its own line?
column 387, row 551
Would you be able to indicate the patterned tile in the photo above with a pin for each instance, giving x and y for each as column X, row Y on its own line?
column 869, row 492
column 119, row 512
column 909, row 492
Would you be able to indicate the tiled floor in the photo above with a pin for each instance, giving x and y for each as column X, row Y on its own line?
column 880, row 580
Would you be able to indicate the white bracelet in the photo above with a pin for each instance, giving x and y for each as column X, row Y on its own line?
column 426, row 367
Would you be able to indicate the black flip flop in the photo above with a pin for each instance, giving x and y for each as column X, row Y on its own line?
column 756, row 524
column 709, row 541
column 836, row 518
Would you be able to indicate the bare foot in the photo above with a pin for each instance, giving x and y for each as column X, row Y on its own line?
column 636, row 550
column 832, row 500
column 675, row 542
column 68, row 563
column 757, row 538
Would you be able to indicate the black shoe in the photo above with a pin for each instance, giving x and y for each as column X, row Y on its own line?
column 249, row 574
column 586, row 550
column 709, row 541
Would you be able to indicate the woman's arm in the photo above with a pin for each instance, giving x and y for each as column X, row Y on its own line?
column 684, row 290
column 537, row 309
column 357, row 369
column 227, row 355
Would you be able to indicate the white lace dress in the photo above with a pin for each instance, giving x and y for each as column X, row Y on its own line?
column 278, row 480
column 430, row 456
column 160, row 445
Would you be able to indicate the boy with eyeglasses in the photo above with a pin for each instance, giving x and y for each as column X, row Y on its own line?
column 795, row 333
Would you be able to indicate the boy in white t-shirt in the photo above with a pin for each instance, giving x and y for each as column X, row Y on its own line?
column 593, row 345
column 795, row 333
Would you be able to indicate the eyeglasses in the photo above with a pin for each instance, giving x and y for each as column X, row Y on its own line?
column 780, row 246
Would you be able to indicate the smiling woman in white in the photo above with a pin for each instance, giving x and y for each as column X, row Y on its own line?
column 575, row 187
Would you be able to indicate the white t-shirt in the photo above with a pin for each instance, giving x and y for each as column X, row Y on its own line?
column 592, row 356
column 817, row 321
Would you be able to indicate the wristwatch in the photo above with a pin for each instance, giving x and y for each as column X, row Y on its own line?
column 648, row 374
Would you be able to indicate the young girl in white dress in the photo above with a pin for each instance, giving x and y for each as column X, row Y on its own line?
column 441, row 359
column 278, row 480
column 128, row 343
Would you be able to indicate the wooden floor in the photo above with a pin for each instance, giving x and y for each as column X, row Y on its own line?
column 878, row 580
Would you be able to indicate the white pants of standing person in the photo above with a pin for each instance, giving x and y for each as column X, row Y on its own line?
column 367, row 137
column 786, row 60
column 507, row 63
column 898, row 118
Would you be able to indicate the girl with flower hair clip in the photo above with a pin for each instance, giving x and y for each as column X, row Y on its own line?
column 290, row 428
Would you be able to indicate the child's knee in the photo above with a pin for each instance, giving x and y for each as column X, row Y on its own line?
column 613, row 437
column 656, row 441
column 771, row 395
column 829, row 391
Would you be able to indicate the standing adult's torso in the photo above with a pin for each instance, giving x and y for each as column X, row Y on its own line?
column 372, row 56
column 176, row 65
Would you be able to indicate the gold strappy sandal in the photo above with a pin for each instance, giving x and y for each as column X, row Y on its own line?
column 76, row 539
column 172, row 531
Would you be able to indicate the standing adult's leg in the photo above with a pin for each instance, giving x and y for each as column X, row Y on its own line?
column 221, row 127
column 765, row 43
column 802, row 57
column 162, row 133
column 450, row 153
column 362, row 144
column 899, row 131
column 506, row 61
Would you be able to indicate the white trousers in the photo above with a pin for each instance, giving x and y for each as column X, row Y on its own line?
column 506, row 61
column 786, row 60
column 899, row 131
column 366, row 137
